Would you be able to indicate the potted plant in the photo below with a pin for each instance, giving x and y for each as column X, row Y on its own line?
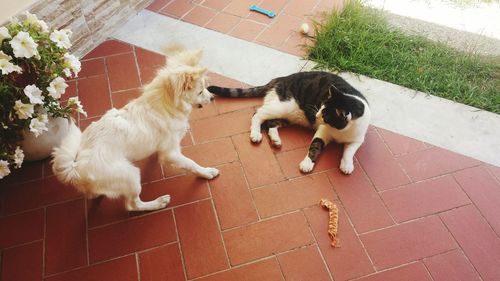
column 34, row 66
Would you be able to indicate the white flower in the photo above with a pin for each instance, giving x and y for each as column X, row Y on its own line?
column 4, row 168
column 35, row 94
column 6, row 66
column 61, row 38
column 18, row 157
column 23, row 110
column 4, row 33
column 24, row 46
column 57, row 87
column 39, row 125
column 71, row 63
column 79, row 108
column 34, row 21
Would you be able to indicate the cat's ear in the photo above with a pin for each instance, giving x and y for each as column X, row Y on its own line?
column 334, row 91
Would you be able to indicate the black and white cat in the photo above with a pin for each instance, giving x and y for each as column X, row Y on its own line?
column 316, row 99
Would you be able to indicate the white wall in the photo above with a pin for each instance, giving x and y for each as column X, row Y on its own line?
column 9, row 8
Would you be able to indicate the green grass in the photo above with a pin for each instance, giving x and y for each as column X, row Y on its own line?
column 359, row 40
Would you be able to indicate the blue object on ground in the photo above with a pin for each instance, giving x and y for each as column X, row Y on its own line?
column 268, row 13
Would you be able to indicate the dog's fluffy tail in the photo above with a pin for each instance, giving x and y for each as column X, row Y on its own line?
column 64, row 162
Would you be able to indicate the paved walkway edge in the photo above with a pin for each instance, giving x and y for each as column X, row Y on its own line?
column 440, row 122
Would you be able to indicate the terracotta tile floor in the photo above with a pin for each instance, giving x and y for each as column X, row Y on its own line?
column 410, row 211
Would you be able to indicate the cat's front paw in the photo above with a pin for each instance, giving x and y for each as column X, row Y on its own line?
column 346, row 166
column 208, row 173
column 306, row 165
column 255, row 136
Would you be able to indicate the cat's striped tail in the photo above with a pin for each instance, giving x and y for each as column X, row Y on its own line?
column 238, row 92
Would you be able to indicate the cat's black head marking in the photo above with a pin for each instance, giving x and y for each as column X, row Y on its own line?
column 340, row 108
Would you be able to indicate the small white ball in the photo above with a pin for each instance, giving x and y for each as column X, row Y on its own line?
column 304, row 28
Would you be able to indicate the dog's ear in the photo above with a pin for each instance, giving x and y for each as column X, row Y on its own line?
column 191, row 58
column 191, row 76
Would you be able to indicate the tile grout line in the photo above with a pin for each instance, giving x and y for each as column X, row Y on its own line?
column 460, row 246
column 183, row 262
column 212, row 203
column 475, row 206
column 325, row 264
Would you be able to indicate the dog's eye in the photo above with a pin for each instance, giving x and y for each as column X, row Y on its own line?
column 199, row 94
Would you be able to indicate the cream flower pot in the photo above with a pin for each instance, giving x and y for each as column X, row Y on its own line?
column 38, row 148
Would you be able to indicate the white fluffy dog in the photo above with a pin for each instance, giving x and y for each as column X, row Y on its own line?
column 99, row 160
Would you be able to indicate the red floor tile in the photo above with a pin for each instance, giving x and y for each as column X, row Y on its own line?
column 157, row 5
column 28, row 171
column 121, row 269
column 379, row 163
column 147, row 58
column 412, row 272
column 199, row 16
column 265, row 270
column 122, row 72
column 252, row 156
column 280, row 30
column 32, row 195
column 21, row 228
column 163, row 263
column 200, row 239
column 232, row 198
column 130, row 236
column 239, row 8
column 183, row 189
column 424, row 198
column 103, row 210
column 259, row 240
column 120, row 99
column 216, row 4
column 66, row 237
column 223, row 22
column 207, row 110
column 231, row 104
column 295, row 137
column 109, row 47
column 303, row 264
column 92, row 67
column 484, row 191
column 300, row 7
column 362, row 202
column 93, row 93
column 221, row 126
column 23, row 263
column 328, row 159
column 177, row 8
column 434, row 162
column 147, row 74
column 495, row 171
column 408, row 242
column 348, row 261
column 477, row 239
column 292, row 195
column 212, row 153
column 247, row 30
column 399, row 144
column 451, row 266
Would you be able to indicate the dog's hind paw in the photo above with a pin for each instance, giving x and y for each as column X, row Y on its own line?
column 209, row 173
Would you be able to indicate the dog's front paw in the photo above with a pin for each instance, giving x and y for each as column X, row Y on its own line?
column 209, row 173
column 306, row 165
column 346, row 166
column 163, row 201
column 255, row 136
